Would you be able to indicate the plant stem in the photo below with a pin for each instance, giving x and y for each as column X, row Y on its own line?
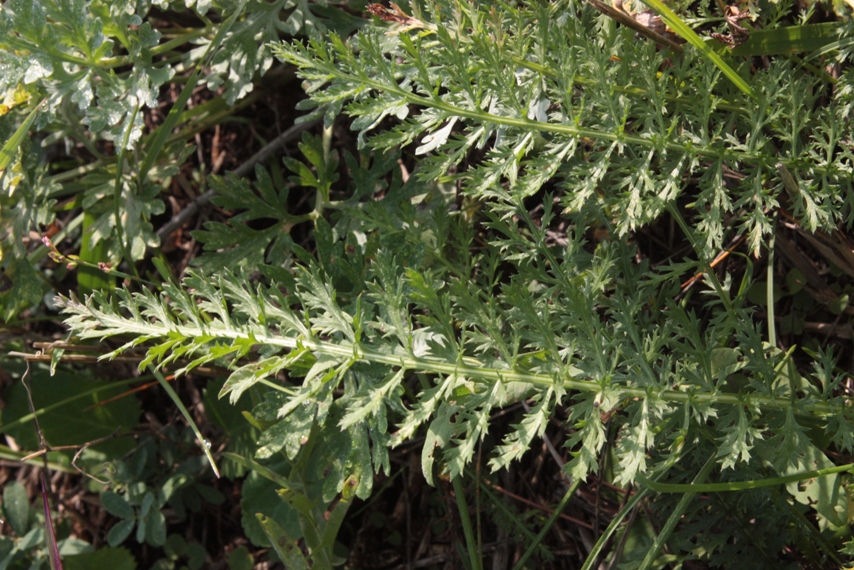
column 467, row 367
column 676, row 515
column 740, row 485
column 471, row 544
column 546, row 527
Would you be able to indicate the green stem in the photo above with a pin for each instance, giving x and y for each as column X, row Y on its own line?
column 467, row 367
column 769, row 290
column 179, row 41
column 40, row 252
column 707, row 268
column 741, row 485
column 79, row 171
column 558, row 510
column 636, row 91
column 676, row 515
column 612, row 527
column 184, row 412
column 333, row 70
column 471, row 544
column 9, row 454
column 117, row 199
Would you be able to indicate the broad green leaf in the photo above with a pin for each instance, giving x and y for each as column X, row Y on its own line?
column 73, row 423
column 119, row 533
column 104, row 557
column 259, row 496
column 240, row 559
column 155, row 528
column 283, row 543
column 788, row 39
column 726, row 361
column 827, row 495
column 290, row 433
column 342, row 455
column 26, row 288
column 16, row 505
column 116, row 505
column 90, row 278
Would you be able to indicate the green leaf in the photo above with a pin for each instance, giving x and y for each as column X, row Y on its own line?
column 238, row 243
column 283, row 543
column 739, row 438
column 259, row 497
column 247, row 376
column 147, row 503
column 16, row 505
column 26, row 290
column 116, row 505
column 155, row 528
column 290, row 433
column 104, row 557
column 439, row 435
column 137, row 206
column 795, row 281
column 838, row 304
column 119, row 533
column 344, row 454
column 240, row 559
column 90, row 278
column 336, row 517
column 788, row 39
column 726, row 361
column 71, row 423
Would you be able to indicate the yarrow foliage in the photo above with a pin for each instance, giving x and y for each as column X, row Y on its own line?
column 426, row 306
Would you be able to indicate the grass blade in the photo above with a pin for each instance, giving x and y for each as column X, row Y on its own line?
column 8, row 150
column 184, row 412
column 471, row 545
column 612, row 527
column 90, row 279
column 677, row 25
column 741, row 485
column 838, row 45
column 156, row 143
column 791, row 39
column 676, row 516
column 542, row 534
